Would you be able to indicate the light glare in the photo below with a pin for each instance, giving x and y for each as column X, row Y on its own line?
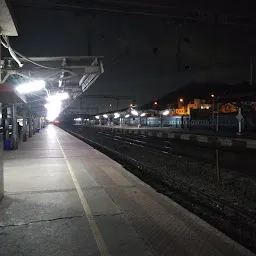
column 166, row 112
column 116, row 115
column 53, row 110
column 33, row 86
column 58, row 96
column 135, row 112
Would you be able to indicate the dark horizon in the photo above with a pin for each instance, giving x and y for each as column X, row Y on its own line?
column 144, row 56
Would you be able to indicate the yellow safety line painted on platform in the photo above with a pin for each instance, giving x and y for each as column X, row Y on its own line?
column 94, row 227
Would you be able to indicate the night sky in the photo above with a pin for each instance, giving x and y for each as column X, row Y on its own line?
column 140, row 52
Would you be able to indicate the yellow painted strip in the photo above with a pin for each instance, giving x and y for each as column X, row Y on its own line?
column 94, row 227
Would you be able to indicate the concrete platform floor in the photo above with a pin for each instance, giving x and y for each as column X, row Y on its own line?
column 62, row 197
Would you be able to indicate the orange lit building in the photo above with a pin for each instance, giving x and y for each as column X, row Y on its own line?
column 228, row 108
column 204, row 105
column 195, row 104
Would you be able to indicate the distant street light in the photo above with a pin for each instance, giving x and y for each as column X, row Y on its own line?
column 181, row 100
column 166, row 112
column 97, row 117
column 212, row 95
column 116, row 115
column 105, row 116
column 155, row 103
column 143, row 114
column 126, row 116
column 135, row 112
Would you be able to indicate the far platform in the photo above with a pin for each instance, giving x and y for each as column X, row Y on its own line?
column 62, row 197
column 221, row 138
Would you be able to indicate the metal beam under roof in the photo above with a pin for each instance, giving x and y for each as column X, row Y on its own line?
column 71, row 74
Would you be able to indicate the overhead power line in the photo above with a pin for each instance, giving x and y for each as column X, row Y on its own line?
column 223, row 14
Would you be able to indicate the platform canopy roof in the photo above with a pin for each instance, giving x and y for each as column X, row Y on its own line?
column 9, row 95
column 69, row 74
column 7, row 25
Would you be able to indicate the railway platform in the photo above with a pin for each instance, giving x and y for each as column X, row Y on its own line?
column 62, row 197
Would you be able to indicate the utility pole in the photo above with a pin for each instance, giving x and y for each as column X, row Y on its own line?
column 213, row 107
column 178, row 55
column 24, row 129
column 217, row 115
column 251, row 69
column 117, row 104
column 1, row 141
column 30, row 128
column 88, row 34
column 14, row 126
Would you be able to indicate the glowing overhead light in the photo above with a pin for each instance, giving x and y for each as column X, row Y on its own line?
column 79, row 119
column 52, row 116
column 212, row 95
column 33, row 86
column 97, row 117
column 166, row 112
column 116, row 115
column 155, row 103
column 126, row 116
column 53, row 105
column 53, row 110
column 143, row 114
column 64, row 96
column 105, row 116
column 181, row 100
column 58, row 96
column 134, row 112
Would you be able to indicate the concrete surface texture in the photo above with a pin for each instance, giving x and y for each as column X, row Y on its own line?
column 62, row 197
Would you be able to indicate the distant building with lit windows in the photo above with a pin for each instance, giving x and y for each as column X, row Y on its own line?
column 195, row 104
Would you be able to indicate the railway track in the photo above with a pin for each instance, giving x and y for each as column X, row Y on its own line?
column 235, row 221
column 231, row 159
column 164, row 149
